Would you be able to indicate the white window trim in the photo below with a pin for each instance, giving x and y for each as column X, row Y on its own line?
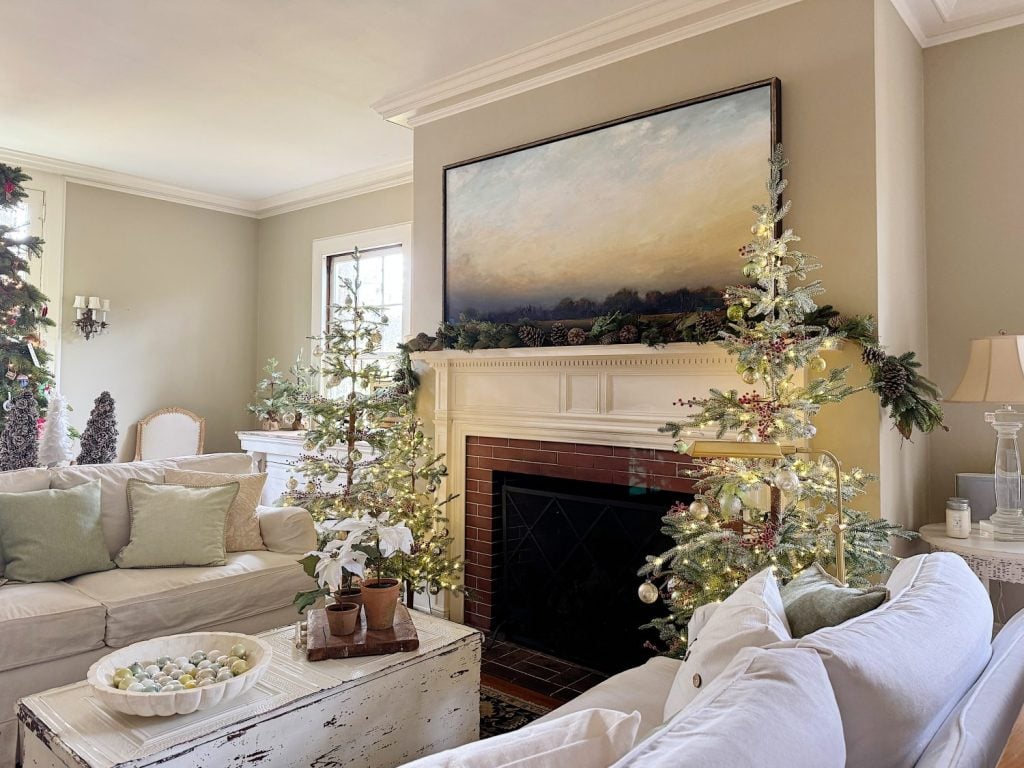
column 364, row 240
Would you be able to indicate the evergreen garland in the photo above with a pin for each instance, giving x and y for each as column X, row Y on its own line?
column 99, row 440
column 19, row 440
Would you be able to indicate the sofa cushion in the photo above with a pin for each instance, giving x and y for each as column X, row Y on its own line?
column 45, row 621
column 150, row 602
column 756, row 713
column 19, row 480
column 815, row 599
column 641, row 689
column 242, row 530
column 976, row 731
column 114, row 479
column 899, row 670
column 752, row 616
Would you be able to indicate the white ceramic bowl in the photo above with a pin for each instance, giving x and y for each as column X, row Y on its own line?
column 101, row 673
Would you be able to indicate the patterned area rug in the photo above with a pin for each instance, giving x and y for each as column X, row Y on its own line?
column 501, row 713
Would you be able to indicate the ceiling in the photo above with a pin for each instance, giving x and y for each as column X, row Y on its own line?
column 257, row 105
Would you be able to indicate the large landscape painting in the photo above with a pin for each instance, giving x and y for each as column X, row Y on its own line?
column 641, row 215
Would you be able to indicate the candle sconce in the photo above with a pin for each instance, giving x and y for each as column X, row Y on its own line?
column 91, row 316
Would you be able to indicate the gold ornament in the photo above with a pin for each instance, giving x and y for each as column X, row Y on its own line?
column 698, row 510
column 750, row 376
column 818, row 363
column 648, row 593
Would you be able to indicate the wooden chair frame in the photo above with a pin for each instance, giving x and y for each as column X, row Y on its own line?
column 201, row 420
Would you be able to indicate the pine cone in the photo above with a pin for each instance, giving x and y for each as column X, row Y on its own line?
column 629, row 334
column 576, row 336
column 559, row 335
column 708, row 326
column 893, row 379
column 609, row 338
column 531, row 335
column 873, row 356
column 837, row 321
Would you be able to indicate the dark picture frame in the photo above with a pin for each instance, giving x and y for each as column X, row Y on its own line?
column 493, row 227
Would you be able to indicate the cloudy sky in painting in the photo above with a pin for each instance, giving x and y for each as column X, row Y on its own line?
column 657, row 203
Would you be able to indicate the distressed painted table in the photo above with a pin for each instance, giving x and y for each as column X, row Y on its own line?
column 991, row 560
column 372, row 712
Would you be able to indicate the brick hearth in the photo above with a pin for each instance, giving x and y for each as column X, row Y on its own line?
column 638, row 467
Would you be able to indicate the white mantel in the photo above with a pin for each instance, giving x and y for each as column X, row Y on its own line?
column 604, row 395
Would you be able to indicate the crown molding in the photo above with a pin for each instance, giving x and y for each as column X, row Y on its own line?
column 934, row 22
column 648, row 26
column 349, row 185
column 361, row 183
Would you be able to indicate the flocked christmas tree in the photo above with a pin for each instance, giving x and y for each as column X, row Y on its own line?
column 19, row 438
column 366, row 450
column 22, row 305
column 751, row 514
column 55, row 448
column 99, row 440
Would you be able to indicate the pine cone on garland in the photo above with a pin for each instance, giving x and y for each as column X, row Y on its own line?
column 838, row 321
column 708, row 326
column 892, row 379
column 576, row 336
column 559, row 335
column 609, row 338
column 531, row 335
column 629, row 334
column 873, row 356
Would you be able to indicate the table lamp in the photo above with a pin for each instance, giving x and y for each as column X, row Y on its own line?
column 995, row 374
column 703, row 449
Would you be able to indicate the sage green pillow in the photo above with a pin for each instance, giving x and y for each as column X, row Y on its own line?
column 52, row 535
column 814, row 599
column 174, row 525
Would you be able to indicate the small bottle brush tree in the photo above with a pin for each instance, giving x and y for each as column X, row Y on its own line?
column 724, row 536
column 22, row 305
column 19, row 439
column 99, row 440
column 55, row 447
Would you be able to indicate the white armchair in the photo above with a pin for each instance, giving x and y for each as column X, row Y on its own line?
column 169, row 433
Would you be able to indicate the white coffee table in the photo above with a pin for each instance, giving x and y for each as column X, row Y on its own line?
column 372, row 712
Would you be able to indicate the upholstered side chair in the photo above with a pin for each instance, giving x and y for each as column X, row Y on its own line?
column 168, row 433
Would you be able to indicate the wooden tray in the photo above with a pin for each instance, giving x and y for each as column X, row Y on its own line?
column 321, row 644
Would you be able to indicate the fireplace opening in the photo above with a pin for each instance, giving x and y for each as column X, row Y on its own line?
column 568, row 556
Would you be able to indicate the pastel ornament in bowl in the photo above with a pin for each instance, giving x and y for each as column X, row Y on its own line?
column 140, row 699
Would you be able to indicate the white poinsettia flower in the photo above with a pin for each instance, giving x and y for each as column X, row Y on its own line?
column 336, row 558
column 394, row 538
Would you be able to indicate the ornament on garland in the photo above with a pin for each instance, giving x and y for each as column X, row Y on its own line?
column 20, row 434
column 55, row 448
column 99, row 440
column 725, row 535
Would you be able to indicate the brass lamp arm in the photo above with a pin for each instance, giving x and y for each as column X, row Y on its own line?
column 839, row 528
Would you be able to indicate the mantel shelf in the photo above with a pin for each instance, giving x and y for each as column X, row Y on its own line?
column 582, row 355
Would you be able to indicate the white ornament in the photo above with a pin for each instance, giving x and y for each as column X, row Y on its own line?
column 731, row 505
column 810, row 430
column 786, row 480
column 698, row 510
column 55, row 448
column 647, row 592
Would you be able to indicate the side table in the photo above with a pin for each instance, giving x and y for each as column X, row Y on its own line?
column 365, row 712
column 989, row 559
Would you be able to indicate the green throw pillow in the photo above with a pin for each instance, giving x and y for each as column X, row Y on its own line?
column 176, row 525
column 52, row 535
column 814, row 599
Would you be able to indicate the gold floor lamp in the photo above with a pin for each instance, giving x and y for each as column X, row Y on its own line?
column 706, row 449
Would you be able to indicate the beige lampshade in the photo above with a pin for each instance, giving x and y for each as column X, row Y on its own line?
column 995, row 372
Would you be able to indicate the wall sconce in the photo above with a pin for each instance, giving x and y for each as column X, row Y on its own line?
column 87, row 316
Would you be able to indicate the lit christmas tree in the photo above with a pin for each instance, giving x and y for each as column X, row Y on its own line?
column 22, row 305
column 730, row 531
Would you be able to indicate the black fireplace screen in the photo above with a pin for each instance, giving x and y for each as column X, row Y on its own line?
column 570, row 551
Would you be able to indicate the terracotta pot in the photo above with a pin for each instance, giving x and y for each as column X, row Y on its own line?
column 342, row 618
column 349, row 595
column 271, row 425
column 380, row 598
column 297, row 422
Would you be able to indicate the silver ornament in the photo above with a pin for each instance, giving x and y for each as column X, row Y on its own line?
column 648, row 593
column 786, row 480
column 699, row 510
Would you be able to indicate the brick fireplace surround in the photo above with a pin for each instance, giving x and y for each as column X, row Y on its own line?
column 643, row 467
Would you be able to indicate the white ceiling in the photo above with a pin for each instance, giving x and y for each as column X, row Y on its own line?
column 259, row 106
column 244, row 98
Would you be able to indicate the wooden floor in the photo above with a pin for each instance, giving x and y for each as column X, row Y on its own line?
column 534, row 676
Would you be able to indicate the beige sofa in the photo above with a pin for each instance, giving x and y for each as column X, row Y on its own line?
column 50, row 633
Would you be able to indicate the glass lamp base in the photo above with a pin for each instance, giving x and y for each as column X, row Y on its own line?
column 1004, row 525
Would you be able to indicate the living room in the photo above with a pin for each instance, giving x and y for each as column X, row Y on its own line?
column 203, row 179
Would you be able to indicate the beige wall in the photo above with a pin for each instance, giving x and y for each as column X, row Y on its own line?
column 285, row 263
column 974, row 112
column 902, row 263
column 181, row 282
column 823, row 53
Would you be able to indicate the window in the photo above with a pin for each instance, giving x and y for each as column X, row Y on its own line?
column 381, row 284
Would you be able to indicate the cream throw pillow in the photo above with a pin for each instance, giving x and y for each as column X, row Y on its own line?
column 173, row 525
column 242, row 532
column 752, row 616
column 593, row 738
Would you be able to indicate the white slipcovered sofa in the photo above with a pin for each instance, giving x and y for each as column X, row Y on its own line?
column 917, row 681
column 51, row 632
